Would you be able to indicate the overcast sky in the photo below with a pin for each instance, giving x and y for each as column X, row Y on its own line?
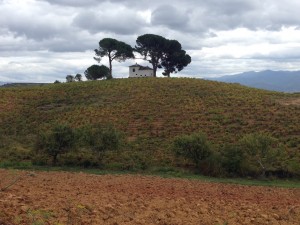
column 44, row 40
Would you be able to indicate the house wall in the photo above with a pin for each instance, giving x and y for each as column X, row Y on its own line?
column 135, row 72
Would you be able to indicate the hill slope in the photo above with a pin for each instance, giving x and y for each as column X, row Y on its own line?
column 150, row 112
column 156, row 108
column 285, row 81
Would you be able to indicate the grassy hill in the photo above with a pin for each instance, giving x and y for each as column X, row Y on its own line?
column 151, row 112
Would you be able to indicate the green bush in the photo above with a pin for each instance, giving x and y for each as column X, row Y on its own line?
column 15, row 153
column 261, row 151
column 86, row 146
column 101, row 138
column 40, row 159
column 5, row 141
column 1, row 141
column 194, row 147
column 212, row 166
column 128, row 160
column 80, row 158
column 57, row 141
column 233, row 160
column 293, row 167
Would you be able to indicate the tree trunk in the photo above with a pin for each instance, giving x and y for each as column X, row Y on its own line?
column 154, row 65
column 263, row 169
column 54, row 159
column 110, row 59
column 110, row 67
column 154, row 72
column 155, row 62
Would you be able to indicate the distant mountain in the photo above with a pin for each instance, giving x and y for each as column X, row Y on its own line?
column 2, row 83
column 284, row 81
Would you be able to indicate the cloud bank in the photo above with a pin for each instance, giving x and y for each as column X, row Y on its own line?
column 44, row 40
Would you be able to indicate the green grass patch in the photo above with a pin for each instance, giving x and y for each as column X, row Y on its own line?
column 16, row 165
column 164, row 172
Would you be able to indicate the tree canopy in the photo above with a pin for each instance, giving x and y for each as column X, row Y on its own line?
column 78, row 77
column 162, row 53
column 57, row 141
column 261, row 149
column 69, row 78
column 95, row 72
column 114, row 50
column 151, row 47
column 174, row 59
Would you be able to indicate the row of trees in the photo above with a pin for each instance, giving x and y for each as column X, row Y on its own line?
column 157, row 50
column 62, row 139
column 71, row 78
column 94, row 72
column 160, row 52
column 255, row 154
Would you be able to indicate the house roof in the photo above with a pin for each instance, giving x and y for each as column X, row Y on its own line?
column 135, row 65
column 141, row 67
column 145, row 68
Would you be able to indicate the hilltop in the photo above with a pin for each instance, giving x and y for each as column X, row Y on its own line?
column 150, row 112
column 285, row 81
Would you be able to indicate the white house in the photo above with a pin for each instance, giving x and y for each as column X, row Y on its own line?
column 140, row 71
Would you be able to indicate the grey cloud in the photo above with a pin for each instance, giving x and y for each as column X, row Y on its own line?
column 169, row 16
column 37, row 31
column 123, row 21
column 72, row 3
column 36, row 28
column 71, row 46
column 254, row 14
column 230, row 7
column 33, row 22
column 94, row 3
column 73, row 41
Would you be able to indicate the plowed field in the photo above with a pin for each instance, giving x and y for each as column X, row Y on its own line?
column 78, row 198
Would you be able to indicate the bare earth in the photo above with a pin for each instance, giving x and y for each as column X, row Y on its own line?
column 293, row 101
column 78, row 198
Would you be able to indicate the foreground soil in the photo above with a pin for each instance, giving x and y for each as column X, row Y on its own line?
column 78, row 198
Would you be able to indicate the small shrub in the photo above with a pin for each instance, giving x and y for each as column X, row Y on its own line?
column 80, row 158
column 293, row 167
column 15, row 153
column 40, row 159
column 58, row 141
column 5, row 141
column 261, row 151
column 194, row 147
column 130, row 160
column 212, row 165
column 2, row 141
column 233, row 160
column 103, row 138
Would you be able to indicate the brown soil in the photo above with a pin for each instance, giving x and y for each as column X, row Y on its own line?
column 78, row 198
column 292, row 101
